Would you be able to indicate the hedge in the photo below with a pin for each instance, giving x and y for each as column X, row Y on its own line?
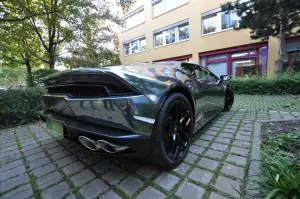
column 285, row 84
column 19, row 106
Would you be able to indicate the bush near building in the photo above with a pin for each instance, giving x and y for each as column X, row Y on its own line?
column 285, row 84
column 19, row 106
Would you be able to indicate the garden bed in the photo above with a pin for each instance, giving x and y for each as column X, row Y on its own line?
column 280, row 159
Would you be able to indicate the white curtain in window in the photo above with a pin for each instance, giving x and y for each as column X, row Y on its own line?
column 158, row 8
column 170, row 4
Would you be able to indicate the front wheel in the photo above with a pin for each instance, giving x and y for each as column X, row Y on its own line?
column 229, row 99
column 173, row 131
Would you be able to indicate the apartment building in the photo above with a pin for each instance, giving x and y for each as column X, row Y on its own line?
column 197, row 31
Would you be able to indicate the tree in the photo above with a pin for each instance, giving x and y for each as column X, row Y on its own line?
column 14, row 47
column 268, row 18
column 55, row 23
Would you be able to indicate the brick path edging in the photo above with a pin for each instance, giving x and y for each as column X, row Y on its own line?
column 255, row 165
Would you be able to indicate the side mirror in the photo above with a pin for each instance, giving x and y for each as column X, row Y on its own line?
column 225, row 78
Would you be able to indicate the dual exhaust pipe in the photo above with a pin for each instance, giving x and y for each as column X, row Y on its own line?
column 96, row 145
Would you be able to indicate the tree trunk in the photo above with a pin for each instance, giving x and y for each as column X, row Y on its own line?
column 51, row 59
column 29, row 73
column 282, row 53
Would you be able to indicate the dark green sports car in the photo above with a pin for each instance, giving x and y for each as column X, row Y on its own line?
column 148, row 110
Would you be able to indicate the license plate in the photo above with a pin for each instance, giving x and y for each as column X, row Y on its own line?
column 56, row 127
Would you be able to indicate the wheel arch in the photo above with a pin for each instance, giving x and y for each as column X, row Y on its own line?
column 184, row 91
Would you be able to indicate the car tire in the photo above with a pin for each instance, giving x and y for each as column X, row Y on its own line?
column 160, row 154
column 229, row 99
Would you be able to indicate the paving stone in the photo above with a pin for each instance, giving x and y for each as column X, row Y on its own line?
column 227, row 185
column 200, row 175
column 130, row 185
column 207, row 137
column 150, row 193
column 11, row 165
column 30, row 147
column 242, row 137
column 214, row 195
column 12, row 172
column 229, row 130
column 226, row 135
column 190, row 158
column 38, row 172
column 196, row 149
column 19, row 193
column 92, row 159
column 245, row 133
column 10, row 183
column 56, row 191
column 254, row 168
column 52, row 144
column 73, row 168
column 71, row 197
column 182, row 169
column 222, row 140
column 234, row 171
column 190, row 191
column 201, row 143
column 93, row 189
column 103, row 166
column 215, row 128
column 65, row 161
column 49, row 179
column 166, row 180
column 212, row 133
column 83, row 177
column 240, row 143
column 55, row 150
column 9, row 153
column 220, row 147
column 208, row 163
column 114, row 176
column 147, row 171
column 35, row 156
column 39, row 163
column 111, row 195
column 237, row 159
column 239, row 150
column 246, row 128
column 60, row 155
column 214, row 154
column 32, row 151
column 10, row 158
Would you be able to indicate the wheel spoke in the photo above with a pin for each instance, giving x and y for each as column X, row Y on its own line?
column 177, row 112
column 184, row 117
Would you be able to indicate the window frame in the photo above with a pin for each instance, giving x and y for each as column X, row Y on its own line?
column 154, row 2
column 218, row 14
column 163, row 31
column 130, row 42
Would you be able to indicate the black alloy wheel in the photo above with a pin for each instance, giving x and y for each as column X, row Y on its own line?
column 173, row 131
column 178, row 129
column 229, row 99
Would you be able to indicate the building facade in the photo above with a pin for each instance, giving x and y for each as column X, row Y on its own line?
column 197, row 31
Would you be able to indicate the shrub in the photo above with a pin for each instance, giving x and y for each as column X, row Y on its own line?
column 18, row 106
column 285, row 84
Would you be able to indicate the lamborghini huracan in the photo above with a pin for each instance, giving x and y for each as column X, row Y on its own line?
column 148, row 110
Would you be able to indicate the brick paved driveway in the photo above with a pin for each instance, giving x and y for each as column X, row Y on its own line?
column 36, row 163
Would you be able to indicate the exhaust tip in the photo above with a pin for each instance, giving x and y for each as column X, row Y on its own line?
column 88, row 143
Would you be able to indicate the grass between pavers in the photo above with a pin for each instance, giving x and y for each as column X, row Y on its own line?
column 32, row 178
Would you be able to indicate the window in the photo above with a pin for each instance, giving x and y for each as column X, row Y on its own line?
column 172, row 35
column 205, row 76
column 218, row 21
column 135, row 46
column 162, row 6
column 134, row 20
column 209, row 24
column 184, row 32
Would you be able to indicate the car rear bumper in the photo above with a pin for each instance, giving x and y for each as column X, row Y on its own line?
column 138, row 145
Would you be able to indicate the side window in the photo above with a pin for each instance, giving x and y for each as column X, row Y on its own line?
column 205, row 76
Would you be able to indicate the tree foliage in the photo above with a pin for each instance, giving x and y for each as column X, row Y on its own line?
column 268, row 18
column 43, row 29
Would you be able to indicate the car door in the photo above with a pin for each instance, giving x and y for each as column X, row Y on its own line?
column 212, row 90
